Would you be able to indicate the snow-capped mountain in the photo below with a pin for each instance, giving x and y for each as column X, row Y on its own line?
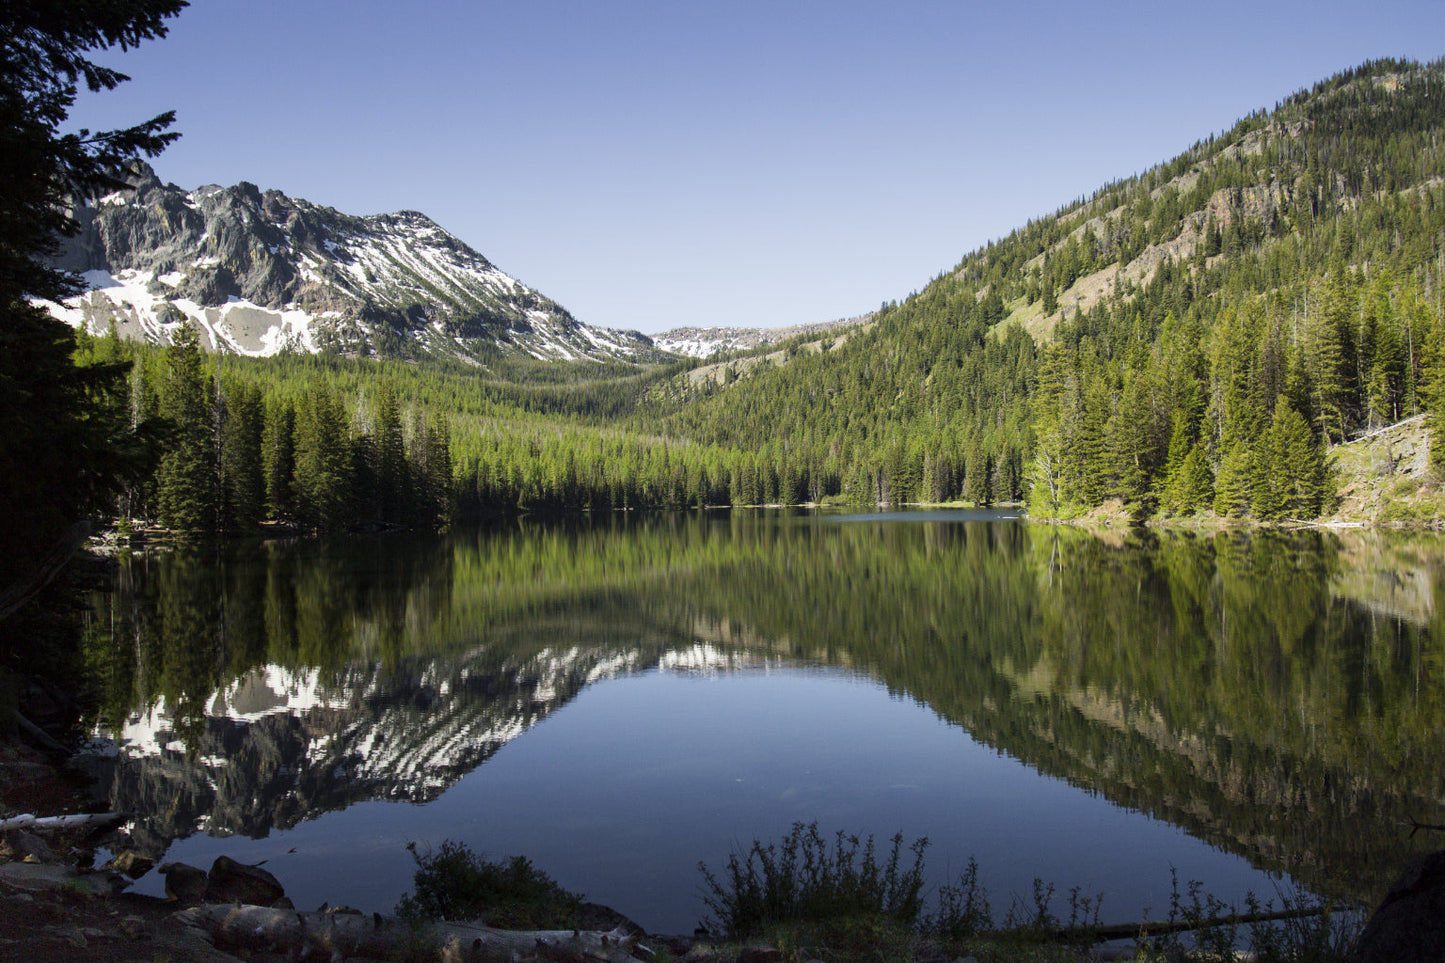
column 706, row 342
column 259, row 272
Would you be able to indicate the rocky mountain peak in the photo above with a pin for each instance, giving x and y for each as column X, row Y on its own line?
column 259, row 272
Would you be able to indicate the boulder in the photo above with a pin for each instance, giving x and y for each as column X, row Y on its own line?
column 39, row 877
column 233, row 882
column 1409, row 925
column 20, row 845
column 185, row 884
column 132, row 863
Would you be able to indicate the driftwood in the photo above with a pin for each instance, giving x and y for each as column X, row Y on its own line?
column 94, row 820
column 1146, row 928
column 340, row 935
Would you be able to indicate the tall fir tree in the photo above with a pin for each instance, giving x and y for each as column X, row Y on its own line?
column 278, row 454
column 66, row 446
column 243, row 480
column 323, row 474
column 187, row 479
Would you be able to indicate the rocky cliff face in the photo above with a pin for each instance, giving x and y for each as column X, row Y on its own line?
column 259, row 272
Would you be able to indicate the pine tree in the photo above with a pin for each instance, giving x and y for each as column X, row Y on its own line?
column 187, row 478
column 978, row 478
column 1288, row 477
column 278, row 445
column 323, row 474
column 1193, row 488
column 1181, row 444
column 1130, row 439
column 243, row 481
column 66, row 445
column 1432, row 393
column 1232, row 491
column 391, row 467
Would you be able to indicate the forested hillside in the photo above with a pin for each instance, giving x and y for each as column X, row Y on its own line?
column 1194, row 339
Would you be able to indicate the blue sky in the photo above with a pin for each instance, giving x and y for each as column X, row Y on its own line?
column 655, row 164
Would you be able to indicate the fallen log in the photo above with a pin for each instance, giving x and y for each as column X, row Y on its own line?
column 339, row 935
column 1146, row 928
column 32, row 821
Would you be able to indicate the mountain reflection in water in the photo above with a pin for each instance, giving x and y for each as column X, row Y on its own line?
column 1276, row 695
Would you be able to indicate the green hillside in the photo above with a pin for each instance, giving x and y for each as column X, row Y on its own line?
column 1195, row 338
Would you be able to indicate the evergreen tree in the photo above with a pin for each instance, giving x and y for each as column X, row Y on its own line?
column 1288, row 470
column 278, row 443
column 978, row 478
column 66, row 446
column 323, row 473
column 392, row 475
column 1232, row 492
column 1432, row 393
column 187, row 478
column 243, row 481
column 1193, row 487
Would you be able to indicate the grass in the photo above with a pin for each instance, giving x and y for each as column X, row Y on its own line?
column 841, row 899
column 839, row 902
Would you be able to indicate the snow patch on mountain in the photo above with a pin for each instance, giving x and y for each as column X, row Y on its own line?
column 706, row 342
column 261, row 273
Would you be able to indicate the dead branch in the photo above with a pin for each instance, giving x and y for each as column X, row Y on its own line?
column 1416, row 826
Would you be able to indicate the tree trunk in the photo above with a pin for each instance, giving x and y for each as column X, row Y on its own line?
column 30, row 821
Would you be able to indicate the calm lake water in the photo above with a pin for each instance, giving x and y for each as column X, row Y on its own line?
column 621, row 699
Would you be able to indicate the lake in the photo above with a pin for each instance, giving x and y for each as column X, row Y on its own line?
column 621, row 698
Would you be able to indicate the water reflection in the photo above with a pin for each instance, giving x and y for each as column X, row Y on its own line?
column 1276, row 694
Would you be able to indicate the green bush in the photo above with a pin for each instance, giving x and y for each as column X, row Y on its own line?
column 963, row 909
column 453, row 883
column 802, row 879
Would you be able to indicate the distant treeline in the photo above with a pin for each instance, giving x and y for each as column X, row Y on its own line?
column 328, row 444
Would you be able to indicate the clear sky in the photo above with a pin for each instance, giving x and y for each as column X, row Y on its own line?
column 656, row 163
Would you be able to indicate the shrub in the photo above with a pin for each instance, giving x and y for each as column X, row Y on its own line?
column 963, row 909
column 453, row 883
column 802, row 879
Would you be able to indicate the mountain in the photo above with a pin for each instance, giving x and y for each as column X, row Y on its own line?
column 259, row 273
column 706, row 342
